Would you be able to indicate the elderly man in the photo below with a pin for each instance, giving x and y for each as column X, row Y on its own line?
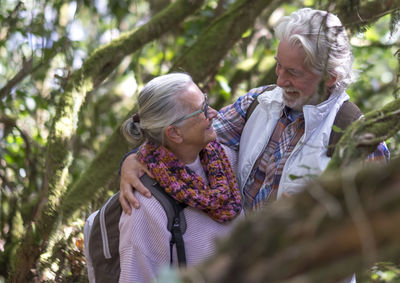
column 286, row 138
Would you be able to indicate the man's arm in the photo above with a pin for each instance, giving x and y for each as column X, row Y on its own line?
column 381, row 154
column 230, row 121
column 131, row 171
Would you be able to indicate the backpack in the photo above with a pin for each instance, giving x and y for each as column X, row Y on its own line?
column 347, row 114
column 101, row 234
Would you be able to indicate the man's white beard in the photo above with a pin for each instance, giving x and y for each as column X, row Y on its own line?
column 297, row 101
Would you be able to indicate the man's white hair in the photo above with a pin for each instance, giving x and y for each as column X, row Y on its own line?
column 324, row 40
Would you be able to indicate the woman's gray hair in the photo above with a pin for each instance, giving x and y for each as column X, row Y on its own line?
column 158, row 107
column 324, row 40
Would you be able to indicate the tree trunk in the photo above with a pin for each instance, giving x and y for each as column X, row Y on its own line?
column 102, row 170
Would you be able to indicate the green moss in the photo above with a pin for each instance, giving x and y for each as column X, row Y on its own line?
column 363, row 136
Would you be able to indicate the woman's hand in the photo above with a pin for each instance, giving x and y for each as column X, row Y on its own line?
column 131, row 171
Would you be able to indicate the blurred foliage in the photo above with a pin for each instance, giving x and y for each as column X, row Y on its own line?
column 381, row 272
column 42, row 42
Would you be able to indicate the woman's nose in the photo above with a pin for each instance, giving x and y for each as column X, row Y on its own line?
column 212, row 113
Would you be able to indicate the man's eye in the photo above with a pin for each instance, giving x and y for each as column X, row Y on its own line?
column 295, row 73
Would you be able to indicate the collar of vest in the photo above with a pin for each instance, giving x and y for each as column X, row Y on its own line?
column 315, row 113
column 273, row 101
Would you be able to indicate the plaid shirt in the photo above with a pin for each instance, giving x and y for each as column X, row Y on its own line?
column 263, row 182
column 230, row 121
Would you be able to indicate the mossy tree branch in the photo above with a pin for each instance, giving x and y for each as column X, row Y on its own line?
column 363, row 136
column 364, row 12
column 100, row 172
column 203, row 58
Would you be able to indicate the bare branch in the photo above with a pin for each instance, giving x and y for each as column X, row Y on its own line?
column 25, row 71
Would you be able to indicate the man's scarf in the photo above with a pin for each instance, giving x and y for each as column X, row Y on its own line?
column 220, row 199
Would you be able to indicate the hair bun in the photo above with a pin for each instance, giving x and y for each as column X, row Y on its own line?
column 135, row 129
column 135, row 118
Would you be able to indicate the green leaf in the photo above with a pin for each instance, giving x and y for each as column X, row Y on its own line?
column 294, row 177
column 337, row 129
column 247, row 33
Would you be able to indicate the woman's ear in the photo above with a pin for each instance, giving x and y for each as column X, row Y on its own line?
column 173, row 134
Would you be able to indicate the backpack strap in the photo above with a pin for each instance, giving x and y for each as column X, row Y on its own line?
column 176, row 233
column 112, row 206
column 251, row 108
column 103, row 243
column 347, row 114
column 176, row 218
column 255, row 102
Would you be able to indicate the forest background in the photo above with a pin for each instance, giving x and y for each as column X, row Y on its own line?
column 69, row 75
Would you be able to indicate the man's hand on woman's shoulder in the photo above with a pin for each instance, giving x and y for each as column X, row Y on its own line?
column 131, row 171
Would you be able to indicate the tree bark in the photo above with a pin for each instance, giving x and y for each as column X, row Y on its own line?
column 93, row 72
column 364, row 12
column 102, row 170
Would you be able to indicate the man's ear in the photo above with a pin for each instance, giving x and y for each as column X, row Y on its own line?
column 330, row 81
column 173, row 134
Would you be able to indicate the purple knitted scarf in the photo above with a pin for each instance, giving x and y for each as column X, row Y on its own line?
column 220, row 199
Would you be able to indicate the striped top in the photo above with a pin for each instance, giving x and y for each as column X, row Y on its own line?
column 144, row 237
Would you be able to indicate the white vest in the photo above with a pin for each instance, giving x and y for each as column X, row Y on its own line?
column 308, row 158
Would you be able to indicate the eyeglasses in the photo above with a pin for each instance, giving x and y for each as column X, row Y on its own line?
column 204, row 108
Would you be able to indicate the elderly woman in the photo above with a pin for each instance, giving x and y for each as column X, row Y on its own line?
column 175, row 123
